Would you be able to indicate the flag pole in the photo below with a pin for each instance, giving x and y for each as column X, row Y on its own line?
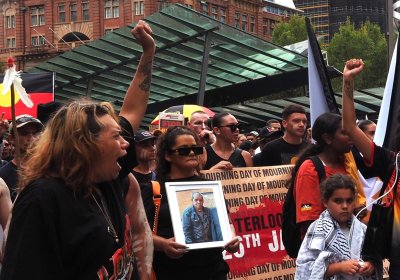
column 10, row 64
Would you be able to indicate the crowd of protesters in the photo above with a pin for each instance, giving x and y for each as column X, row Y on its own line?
column 83, row 202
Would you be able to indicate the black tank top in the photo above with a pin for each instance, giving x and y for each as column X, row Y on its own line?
column 236, row 158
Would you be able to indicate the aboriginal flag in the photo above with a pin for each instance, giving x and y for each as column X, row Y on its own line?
column 322, row 97
column 322, row 100
column 387, row 120
column 39, row 87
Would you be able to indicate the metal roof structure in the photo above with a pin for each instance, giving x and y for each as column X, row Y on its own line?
column 198, row 61
column 367, row 105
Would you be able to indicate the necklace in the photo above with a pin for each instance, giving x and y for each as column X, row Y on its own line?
column 110, row 228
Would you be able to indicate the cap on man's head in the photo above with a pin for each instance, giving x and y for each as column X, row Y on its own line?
column 143, row 135
column 255, row 133
column 265, row 133
column 23, row 120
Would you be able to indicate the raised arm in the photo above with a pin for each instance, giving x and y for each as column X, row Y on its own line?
column 135, row 102
column 352, row 69
column 141, row 233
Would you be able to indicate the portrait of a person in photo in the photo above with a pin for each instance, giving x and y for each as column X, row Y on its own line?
column 200, row 223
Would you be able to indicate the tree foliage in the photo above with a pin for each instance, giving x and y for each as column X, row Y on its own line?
column 286, row 33
column 367, row 43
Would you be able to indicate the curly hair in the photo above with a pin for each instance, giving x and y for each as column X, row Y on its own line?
column 164, row 145
column 335, row 182
column 68, row 146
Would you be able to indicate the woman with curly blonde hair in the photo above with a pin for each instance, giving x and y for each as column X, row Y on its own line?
column 70, row 219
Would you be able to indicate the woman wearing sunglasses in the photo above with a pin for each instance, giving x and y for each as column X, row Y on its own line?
column 178, row 154
column 223, row 154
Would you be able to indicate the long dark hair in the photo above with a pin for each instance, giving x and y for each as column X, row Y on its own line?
column 327, row 123
column 164, row 144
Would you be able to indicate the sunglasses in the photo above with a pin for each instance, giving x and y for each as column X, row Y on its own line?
column 233, row 127
column 185, row 151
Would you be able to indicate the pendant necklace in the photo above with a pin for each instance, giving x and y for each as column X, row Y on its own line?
column 110, row 228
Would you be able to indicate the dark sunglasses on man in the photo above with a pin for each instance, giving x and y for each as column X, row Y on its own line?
column 233, row 127
column 185, row 151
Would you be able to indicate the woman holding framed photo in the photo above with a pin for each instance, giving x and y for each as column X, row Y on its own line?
column 177, row 160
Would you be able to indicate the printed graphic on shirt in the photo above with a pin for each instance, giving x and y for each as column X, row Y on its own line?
column 306, row 207
column 121, row 260
column 288, row 158
column 293, row 160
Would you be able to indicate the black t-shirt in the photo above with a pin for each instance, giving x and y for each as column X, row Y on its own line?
column 10, row 175
column 365, row 171
column 257, row 159
column 279, row 152
column 236, row 158
column 57, row 234
column 197, row 264
column 144, row 178
column 382, row 165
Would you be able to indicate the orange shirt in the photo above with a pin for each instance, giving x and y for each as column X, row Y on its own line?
column 307, row 193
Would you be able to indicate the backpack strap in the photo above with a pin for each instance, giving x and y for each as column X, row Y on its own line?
column 291, row 234
column 157, row 196
column 319, row 167
column 292, row 231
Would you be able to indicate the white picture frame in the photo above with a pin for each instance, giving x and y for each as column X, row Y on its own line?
column 179, row 199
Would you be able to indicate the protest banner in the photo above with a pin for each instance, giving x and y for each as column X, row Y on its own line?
column 166, row 120
column 254, row 196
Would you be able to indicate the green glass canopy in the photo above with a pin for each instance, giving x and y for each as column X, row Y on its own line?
column 198, row 61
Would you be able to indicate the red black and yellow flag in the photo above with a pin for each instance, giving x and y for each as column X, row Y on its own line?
column 39, row 86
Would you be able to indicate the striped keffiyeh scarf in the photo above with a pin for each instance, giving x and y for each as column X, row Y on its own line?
column 324, row 244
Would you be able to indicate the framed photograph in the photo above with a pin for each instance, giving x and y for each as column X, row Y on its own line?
column 199, row 215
